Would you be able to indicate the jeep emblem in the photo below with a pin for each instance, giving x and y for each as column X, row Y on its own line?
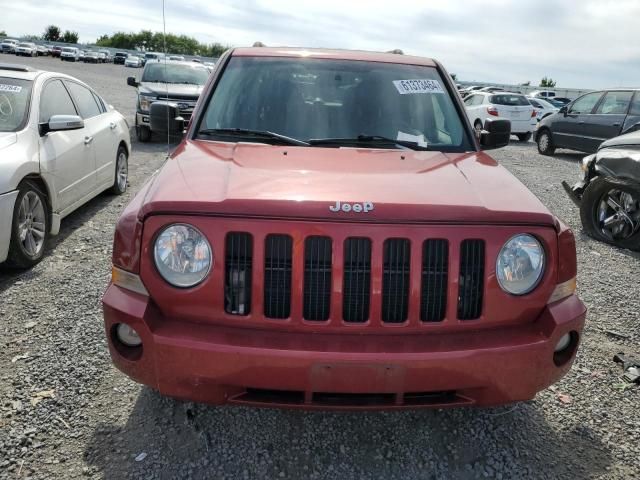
column 365, row 207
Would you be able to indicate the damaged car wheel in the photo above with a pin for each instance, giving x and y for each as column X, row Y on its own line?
column 610, row 211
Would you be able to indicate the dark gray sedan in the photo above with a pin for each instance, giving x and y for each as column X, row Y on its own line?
column 590, row 120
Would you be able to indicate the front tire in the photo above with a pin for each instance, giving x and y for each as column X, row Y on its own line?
column 545, row 143
column 122, row 172
column 30, row 227
column 524, row 137
column 143, row 133
column 610, row 211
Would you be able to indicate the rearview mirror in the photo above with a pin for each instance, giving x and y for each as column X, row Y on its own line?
column 495, row 134
column 563, row 110
column 131, row 81
column 165, row 117
column 58, row 123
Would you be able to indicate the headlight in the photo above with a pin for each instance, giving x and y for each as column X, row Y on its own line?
column 182, row 255
column 145, row 102
column 520, row 264
column 586, row 161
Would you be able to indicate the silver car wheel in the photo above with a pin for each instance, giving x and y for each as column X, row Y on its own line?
column 544, row 141
column 618, row 215
column 31, row 224
column 122, row 171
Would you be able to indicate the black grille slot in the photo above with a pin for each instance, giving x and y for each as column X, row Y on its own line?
column 277, row 276
column 317, row 278
column 396, row 262
column 435, row 272
column 471, row 279
column 356, row 285
column 237, row 273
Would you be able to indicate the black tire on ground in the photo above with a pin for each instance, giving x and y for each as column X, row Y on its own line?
column 477, row 127
column 122, row 167
column 545, row 143
column 593, row 195
column 18, row 256
column 143, row 133
column 524, row 137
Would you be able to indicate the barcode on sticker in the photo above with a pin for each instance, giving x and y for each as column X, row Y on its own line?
column 406, row 87
column 10, row 88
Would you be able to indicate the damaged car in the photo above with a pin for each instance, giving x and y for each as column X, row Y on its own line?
column 331, row 234
column 609, row 194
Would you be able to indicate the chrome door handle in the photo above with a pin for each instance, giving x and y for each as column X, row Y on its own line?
column 88, row 140
column 112, row 125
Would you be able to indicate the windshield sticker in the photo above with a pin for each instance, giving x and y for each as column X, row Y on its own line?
column 10, row 88
column 406, row 87
column 407, row 137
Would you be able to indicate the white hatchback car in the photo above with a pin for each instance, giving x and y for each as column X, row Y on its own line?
column 514, row 107
column 60, row 146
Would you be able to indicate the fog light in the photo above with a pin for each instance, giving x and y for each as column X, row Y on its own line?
column 563, row 342
column 127, row 335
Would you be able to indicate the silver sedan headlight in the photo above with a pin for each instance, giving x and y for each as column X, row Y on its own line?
column 520, row 264
column 182, row 255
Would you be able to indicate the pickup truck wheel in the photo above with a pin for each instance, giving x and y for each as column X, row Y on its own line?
column 144, row 134
column 122, row 172
column 610, row 211
column 524, row 137
column 30, row 227
column 477, row 127
column 545, row 143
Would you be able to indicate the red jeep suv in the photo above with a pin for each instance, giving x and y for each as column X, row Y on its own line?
column 329, row 234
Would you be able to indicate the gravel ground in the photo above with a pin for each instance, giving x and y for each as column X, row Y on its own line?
column 65, row 412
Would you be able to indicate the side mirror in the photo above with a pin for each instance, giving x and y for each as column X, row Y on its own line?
column 495, row 134
column 563, row 110
column 58, row 123
column 131, row 81
column 165, row 117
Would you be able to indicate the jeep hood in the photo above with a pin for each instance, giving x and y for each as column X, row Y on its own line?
column 180, row 89
column 405, row 186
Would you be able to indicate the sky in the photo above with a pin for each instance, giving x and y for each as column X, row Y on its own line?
column 578, row 43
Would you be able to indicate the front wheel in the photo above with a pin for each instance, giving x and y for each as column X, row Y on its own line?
column 610, row 211
column 524, row 137
column 545, row 143
column 122, row 172
column 30, row 227
column 144, row 133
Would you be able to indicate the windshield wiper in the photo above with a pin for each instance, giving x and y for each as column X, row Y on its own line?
column 243, row 132
column 368, row 140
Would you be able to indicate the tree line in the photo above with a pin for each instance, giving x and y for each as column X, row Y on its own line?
column 147, row 40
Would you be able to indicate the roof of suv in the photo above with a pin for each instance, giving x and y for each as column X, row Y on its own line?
column 357, row 55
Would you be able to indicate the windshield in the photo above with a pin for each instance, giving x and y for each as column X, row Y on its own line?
column 68, row 49
column 307, row 99
column 25, row 44
column 174, row 73
column 14, row 103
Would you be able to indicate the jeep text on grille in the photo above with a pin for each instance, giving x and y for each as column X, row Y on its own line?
column 331, row 234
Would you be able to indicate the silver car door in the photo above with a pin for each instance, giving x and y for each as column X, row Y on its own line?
column 66, row 156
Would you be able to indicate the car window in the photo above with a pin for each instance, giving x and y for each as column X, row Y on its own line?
column 326, row 98
column 175, row 73
column 585, row 103
column 478, row 100
column 635, row 105
column 615, row 103
column 100, row 103
column 535, row 103
column 469, row 100
column 14, row 103
column 84, row 100
column 55, row 100
column 509, row 100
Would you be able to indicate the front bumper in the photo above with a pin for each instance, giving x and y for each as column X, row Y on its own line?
column 218, row 365
column 7, row 202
